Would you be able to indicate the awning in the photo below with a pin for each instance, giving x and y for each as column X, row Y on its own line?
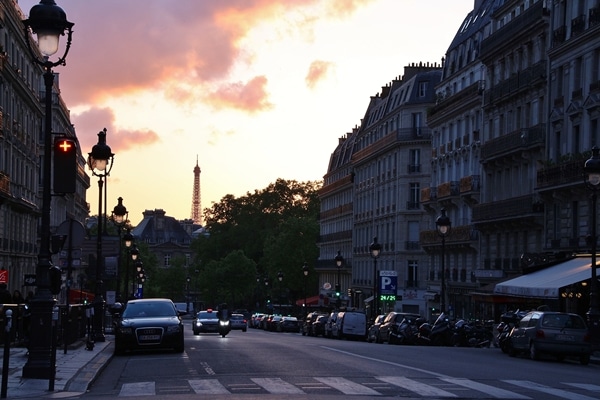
column 547, row 283
column 77, row 296
column 310, row 301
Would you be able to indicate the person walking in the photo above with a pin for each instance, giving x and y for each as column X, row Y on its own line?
column 17, row 297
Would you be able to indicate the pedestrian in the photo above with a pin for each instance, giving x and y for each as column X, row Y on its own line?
column 5, row 297
column 17, row 297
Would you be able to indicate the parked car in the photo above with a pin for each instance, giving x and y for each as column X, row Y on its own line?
column 308, row 322
column 272, row 321
column 329, row 324
column 318, row 326
column 149, row 323
column 553, row 333
column 239, row 322
column 255, row 320
column 350, row 325
column 288, row 324
column 374, row 329
column 184, row 308
column 206, row 322
column 392, row 318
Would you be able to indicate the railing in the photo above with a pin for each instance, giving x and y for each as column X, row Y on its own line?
column 510, row 208
column 562, row 174
column 520, row 81
column 517, row 140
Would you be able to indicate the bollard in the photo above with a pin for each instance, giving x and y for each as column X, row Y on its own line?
column 6, row 353
column 53, row 349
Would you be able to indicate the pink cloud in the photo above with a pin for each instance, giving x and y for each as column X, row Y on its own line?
column 89, row 123
column 317, row 71
column 250, row 97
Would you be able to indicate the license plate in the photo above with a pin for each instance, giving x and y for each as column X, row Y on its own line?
column 566, row 338
column 149, row 337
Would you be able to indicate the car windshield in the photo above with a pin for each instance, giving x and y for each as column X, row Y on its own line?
column 149, row 309
column 561, row 321
column 207, row 315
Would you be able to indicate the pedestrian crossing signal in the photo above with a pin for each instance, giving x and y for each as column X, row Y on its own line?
column 65, row 165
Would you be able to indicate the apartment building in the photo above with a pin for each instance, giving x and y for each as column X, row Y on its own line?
column 22, row 100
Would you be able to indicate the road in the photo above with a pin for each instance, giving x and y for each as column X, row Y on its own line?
column 270, row 365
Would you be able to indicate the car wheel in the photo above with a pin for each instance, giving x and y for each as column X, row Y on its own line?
column 179, row 348
column 584, row 359
column 378, row 338
column 534, row 354
column 118, row 350
column 244, row 330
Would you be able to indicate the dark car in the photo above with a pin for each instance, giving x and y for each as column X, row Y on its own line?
column 149, row 323
column 373, row 331
column 554, row 333
column 288, row 324
column 238, row 322
column 393, row 318
column 318, row 326
column 206, row 322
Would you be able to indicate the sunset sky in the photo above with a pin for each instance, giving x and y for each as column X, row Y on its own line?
column 256, row 89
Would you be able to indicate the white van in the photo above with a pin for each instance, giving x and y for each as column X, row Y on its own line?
column 350, row 325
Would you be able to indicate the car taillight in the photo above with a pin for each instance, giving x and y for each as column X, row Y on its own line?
column 540, row 334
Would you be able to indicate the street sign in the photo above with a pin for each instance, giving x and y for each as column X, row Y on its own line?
column 388, row 283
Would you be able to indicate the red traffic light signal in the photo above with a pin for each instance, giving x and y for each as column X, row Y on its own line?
column 65, row 165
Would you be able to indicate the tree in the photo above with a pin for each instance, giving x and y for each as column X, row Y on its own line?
column 276, row 228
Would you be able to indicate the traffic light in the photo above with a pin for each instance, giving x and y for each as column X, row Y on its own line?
column 55, row 279
column 337, row 290
column 65, row 165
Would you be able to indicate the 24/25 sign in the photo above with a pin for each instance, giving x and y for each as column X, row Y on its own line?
column 388, row 282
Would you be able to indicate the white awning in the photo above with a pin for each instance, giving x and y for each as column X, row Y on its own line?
column 546, row 283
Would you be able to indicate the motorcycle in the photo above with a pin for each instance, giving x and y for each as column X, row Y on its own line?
column 438, row 334
column 472, row 334
column 508, row 322
column 407, row 332
column 224, row 323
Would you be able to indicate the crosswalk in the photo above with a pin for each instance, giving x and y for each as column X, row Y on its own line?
column 442, row 387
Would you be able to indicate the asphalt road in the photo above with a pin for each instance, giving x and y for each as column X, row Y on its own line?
column 258, row 364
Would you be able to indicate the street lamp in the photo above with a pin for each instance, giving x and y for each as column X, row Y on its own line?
column 339, row 260
column 305, row 272
column 187, row 304
column 135, row 253
column 591, row 172
column 280, row 279
column 100, row 162
column 375, row 249
column 443, row 227
column 128, row 240
column 119, row 217
column 49, row 22
column 139, row 268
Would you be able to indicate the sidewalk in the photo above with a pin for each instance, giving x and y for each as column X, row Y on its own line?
column 74, row 371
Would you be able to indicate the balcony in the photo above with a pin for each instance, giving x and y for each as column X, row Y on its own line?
column 577, row 25
column 517, row 141
column 4, row 184
column 458, row 234
column 521, row 81
column 564, row 174
column 516, row 207
column 448, row 189
column 428, row 194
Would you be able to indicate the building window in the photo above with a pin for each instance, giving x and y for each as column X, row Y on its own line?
column 167, row 260
column 412, row 278
column 422, row 89
column 414, row 164
column 414, row 195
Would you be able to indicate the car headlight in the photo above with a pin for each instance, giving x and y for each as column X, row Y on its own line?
column 198, row 323
column 173, row 329
column 223, row 323
column 126, row 330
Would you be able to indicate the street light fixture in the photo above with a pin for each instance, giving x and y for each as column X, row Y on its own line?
column 139, row 268
column 443, row 225
column 280, row 279
column 375, row 249
column 187, row 304
column 339, row 260
column 591, row 172
column 119, row 217
column 128, row 240
column 49, row 22
column 305, row 272
column 100, row 162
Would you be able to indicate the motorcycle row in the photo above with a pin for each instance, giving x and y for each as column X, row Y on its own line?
column 443, row 332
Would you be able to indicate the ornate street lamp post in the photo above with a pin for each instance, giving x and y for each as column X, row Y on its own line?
column 443, row 227
column 591, row 171
column 135, row 253
column 128, row 240
column 139, row 267
column 305, row 272
column 187, row 285
column 100, row 162
column 49, row 22
column 119, row 217
column 280, row 279
column 339, row 260
column 375, row 249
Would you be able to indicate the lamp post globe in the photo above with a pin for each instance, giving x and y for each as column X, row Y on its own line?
column 48, row 22
column 443, row 226
column 591, row 172
column 375, row 249
column 305, row 272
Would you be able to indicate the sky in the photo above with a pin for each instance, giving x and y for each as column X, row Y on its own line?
column 255, row 90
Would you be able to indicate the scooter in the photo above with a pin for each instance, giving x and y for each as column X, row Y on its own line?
column 438, row 334
column 224, row 323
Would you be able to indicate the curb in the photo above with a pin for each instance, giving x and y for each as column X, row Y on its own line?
column 90, row 371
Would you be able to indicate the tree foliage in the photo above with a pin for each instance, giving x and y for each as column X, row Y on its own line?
column 256, row 236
